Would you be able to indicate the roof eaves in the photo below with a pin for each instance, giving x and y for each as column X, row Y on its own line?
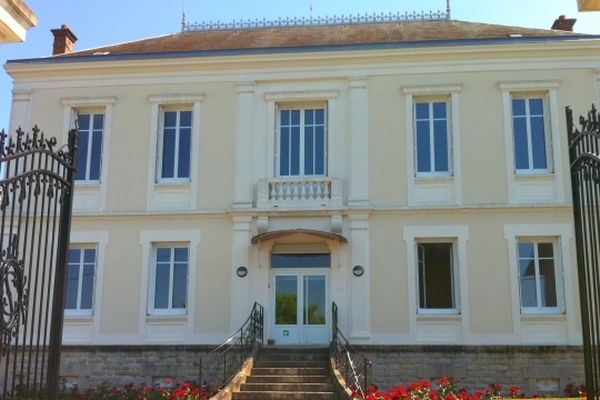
column 307, row 49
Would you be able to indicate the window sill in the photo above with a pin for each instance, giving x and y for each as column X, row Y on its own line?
column 166, row 185
column 166, row 318
column 85, row 185
column 544, row 316
column 531, row 175
column 78, row 318
column 433, row 179
column 439, row 315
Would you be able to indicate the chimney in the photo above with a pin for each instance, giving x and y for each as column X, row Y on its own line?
column 63, row 40
column 564, row 24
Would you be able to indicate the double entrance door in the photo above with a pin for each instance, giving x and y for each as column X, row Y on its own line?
column 299, row 297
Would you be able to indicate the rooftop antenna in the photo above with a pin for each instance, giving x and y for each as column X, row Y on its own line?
column 183, row 20
column 448, row 9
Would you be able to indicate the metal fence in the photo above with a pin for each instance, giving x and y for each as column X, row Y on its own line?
column 35, row 212
column 584, row 154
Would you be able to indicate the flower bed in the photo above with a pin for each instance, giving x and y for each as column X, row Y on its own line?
column 445, row 389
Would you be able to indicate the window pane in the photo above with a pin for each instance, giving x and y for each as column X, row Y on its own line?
column 309, row 117
column 180, row 285
column 181, row 254
column 309, row 149
column 98, row 122
column 168, row 154
column 96, row 155
column 183, row 167
column 422, row 110
column 163, row 254
column 302, row 260
column 286, row 300
column 548, row 283
column 527, row 277
column 521, row 147
column 518, row 107
column 161, row 288
column 82, row 155
column 545, row 250
column 439, row 110
column 284, row 152
column 423, row 147
column 319, row 150
column 320, row 116
column 526, row 250
column 83, row 120
column 185, row 119
column 295, row 150
column 285, row 117
column 314, row 300
column 441, row 145
column 536, row 107
column 295, row 117
column 170, row 119
column 438, row 280
column 87, row 287
column 538, row 142
column 74, row 256
column 89, row 256
column 72, row 287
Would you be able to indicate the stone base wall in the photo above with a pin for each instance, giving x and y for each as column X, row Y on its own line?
column 540, row 370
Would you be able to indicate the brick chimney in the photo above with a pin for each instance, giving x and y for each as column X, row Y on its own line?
column 564, row 24
column 63, row 40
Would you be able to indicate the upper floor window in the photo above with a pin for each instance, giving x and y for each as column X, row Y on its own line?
column 81, row 269
column 168, row 280
column 538, row 276
column 89, row 153
column 302, row 141
column 175, row 145
column 432, row 137
column 530, row 132
column 436, row 273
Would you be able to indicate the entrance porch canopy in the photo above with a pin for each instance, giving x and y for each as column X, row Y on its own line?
column 261, row 237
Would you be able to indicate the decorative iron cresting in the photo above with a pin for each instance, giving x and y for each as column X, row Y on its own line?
column 218, row 367
column 351, row 364
column 35, row 215
column 584, row 154
column 288, row 22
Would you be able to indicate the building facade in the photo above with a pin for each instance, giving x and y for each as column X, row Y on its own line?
column 414, row 173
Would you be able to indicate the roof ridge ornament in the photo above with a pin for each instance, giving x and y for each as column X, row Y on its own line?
column 289, row 22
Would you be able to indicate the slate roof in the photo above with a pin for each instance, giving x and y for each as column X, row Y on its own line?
column 321, row 35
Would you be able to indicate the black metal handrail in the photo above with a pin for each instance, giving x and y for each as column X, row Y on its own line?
column 351, row 364
column 218, row 367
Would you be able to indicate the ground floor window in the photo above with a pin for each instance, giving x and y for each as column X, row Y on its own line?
column 168, row 289
column 436, row 277
column 81, row 269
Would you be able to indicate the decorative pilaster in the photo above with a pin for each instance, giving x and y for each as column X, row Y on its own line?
column 360, row 303
column 359, row 144
column 240, row 257
column 243, row 188
column 20, row 111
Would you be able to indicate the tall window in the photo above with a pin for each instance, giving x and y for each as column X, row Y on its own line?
column 81, row 268
column 538, row 276
column 89, row 153
column 432, row 138
column 436, row 278
column 168, row 294
column 175, row 145
column 302, row 142
column 531, row 141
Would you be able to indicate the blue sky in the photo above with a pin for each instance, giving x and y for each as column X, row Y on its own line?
column 100, row 22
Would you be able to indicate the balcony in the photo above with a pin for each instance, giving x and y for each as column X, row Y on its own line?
column 298, row 192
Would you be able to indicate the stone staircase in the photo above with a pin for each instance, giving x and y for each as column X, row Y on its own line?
column 289, row 373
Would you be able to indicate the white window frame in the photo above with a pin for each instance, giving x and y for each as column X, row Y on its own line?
column 91, row 112
column 78, row 311
column 430, row 100
column 161, row 133
column 302, row 106
column 152, row 281
column 455, row 287
column 558, row 274
column 529, row 95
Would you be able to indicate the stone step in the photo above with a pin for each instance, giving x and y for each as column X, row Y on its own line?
column 322, row 357
column 284, row 396
column 288, row 379
column 286, row 387
column 289, row 364
column 288, row 371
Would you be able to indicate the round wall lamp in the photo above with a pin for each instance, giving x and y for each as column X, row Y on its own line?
column 241, row 271
column 358, row 270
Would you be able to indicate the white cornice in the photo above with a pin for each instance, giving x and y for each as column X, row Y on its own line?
column 175, row 98
column 432, row 89
column 302, row 95
column 85, row 101
column 528, row 85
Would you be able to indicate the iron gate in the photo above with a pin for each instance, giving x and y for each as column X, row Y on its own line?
column 35, row 211
column 584, row 154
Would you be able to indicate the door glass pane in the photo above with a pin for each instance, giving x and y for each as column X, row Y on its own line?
column 286, row 300
column 301, row 260
column 314, row 300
